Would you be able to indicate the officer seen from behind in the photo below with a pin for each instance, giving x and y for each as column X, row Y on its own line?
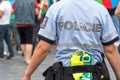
column 83, row 33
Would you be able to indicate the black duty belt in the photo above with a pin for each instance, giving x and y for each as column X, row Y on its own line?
column 76, row 69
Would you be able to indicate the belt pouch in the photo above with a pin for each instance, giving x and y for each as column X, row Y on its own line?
column 58, row 71
column 48, row 73
column 102, row 71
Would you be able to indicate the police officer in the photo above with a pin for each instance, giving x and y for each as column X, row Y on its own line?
column 76, row 25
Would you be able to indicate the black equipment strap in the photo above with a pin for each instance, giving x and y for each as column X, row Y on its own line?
column 76, row 69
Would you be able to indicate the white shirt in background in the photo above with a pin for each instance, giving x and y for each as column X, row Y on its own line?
column 6, row 7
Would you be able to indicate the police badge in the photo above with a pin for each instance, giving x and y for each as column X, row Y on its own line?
column 44, row 22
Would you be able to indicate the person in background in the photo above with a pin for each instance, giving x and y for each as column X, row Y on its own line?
column 14, row 35
column 5, row 13
column 25, row 11
column 83, row 33
column 15, row 31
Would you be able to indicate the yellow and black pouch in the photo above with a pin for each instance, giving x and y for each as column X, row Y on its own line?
column 81, row 58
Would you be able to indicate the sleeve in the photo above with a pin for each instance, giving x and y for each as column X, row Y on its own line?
column 109, row 33
column 48, row 30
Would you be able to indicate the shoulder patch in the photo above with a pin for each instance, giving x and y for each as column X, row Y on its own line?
column 44, row 22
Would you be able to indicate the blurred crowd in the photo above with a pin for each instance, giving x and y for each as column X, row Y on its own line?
column 25, row 18
column 23, row 22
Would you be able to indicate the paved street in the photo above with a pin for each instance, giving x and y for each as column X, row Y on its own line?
column 14, row 69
